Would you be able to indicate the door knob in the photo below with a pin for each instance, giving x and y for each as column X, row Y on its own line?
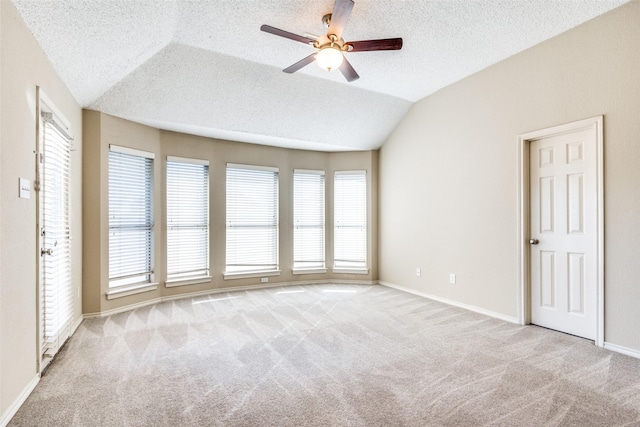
column 534, row 241
column 44, row 251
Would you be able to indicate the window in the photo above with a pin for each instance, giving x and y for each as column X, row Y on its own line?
column 350, row 220
column 130, row 216
column 308, row 220
column 252, row 220
column 187, row 219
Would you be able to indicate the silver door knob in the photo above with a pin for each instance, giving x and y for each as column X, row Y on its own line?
column 534, row 241
column 44, row 251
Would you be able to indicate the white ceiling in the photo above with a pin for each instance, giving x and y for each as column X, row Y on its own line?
column 204, row 67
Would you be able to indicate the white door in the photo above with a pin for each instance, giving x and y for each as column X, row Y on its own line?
column 55, row 284
column 564, row 232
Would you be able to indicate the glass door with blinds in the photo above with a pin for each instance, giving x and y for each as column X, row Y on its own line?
column 54, row 226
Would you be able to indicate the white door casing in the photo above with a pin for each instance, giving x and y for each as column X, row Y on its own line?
column 55, row 293
column 561, row 209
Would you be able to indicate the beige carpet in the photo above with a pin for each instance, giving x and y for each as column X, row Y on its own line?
column 330, row 355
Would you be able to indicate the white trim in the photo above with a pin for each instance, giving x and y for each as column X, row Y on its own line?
column 496, row 315
column 125, row 291
column 252, row 167
column 76, row 325
column 224, row 290
column 13, row 408
column 301, row 271
column 309, row 171
column 341, row 270
column 175, row 159
column 250, row 274
column 131, row 151
column 623, row 350
column 184, row 282
column 122, row 309
column 353, row 172
column 524, row 287
column 59, row 118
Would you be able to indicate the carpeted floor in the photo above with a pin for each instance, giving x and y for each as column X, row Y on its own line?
column 331, row 355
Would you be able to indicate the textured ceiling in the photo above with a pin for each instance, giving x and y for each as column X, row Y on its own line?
column 204, row 67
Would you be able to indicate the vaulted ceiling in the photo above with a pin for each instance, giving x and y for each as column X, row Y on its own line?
column 205, row 68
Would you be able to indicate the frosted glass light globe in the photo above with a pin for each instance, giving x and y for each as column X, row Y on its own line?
column 329, row 58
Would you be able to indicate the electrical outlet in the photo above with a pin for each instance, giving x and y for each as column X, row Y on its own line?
column 418, row 272
column 452, row 279
column 264, row 280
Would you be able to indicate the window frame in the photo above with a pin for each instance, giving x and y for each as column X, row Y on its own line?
column 351, row 269
column 257, row 272
column 201, row 275
column 322, row 267
column 131, row 287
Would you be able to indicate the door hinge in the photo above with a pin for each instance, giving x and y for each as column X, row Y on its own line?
column 36, row 185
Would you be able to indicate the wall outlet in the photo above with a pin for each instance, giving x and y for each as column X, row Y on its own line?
column 264, row 280
column 452, row 279
column 418, row 272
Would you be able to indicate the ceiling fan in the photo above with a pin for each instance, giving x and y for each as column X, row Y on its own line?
column 330, row 48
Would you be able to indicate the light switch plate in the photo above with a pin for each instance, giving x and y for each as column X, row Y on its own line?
column 24, row 186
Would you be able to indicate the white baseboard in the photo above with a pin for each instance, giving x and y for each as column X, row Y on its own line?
column 76, row 324
column 224, row 290
column 510, row 319
column 624, row 350
column 122, row 309
column 13, row 408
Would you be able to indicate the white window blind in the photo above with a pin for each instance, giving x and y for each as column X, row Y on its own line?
column 130, row 216
column 308, row 219
column 187, row 218
column 252, row 219
column 350, row 219
column 55, row 230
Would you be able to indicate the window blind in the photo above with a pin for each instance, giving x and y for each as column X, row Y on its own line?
column 187, row 218
column 252, row 219
column 56, row 285
column 308, row 219
column 350, row 219
column 130, row 216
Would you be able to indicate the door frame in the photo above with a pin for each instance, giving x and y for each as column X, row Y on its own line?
column 43, row 103
column 524, row 221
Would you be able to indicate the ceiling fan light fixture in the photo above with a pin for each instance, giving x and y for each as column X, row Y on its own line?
column 329, row 57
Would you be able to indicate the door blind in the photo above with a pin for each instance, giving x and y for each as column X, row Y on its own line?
column 350, row 219
column 187, row 218
column 56, row 284
column 308, row 219
column 252, row 219
column 130, row 216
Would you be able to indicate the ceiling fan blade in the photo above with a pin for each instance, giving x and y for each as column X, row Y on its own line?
column 340, row 16
column 348, row 71
column 369, row 45
column 300, row 64
column 286, row 34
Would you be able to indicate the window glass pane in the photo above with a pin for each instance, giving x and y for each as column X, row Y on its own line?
column 130, row 218
column 252, row 219
column 350, row 219
column 308, row 219
column 187, row 220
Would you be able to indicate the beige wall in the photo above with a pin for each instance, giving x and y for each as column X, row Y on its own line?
column 100, row 130
column 23, row 66
column 448, row 174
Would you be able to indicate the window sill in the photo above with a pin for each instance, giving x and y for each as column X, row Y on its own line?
column 251, row 274
column 185, row 282
column 351, row 270
column 309, row 271
column 125, row 291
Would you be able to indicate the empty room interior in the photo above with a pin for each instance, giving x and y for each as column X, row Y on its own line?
column 431, row 217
